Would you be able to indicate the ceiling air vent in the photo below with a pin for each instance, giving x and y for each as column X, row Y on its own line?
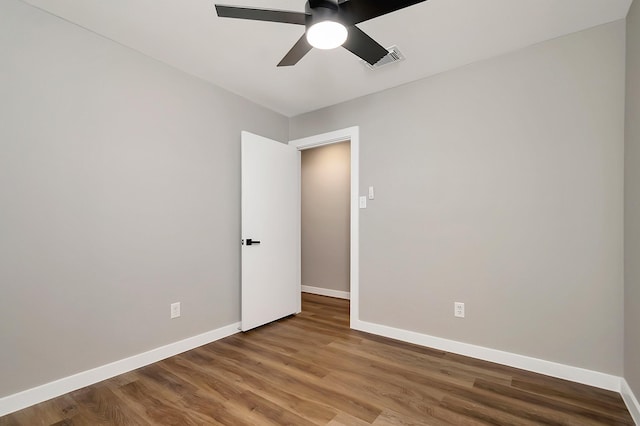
column 392, row 57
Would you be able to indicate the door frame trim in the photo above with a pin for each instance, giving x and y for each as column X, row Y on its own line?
column 351, row 134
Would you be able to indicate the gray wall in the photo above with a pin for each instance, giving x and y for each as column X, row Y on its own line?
column 326, row 189
column 500, row 185
column 632, row 203
column 119, row 194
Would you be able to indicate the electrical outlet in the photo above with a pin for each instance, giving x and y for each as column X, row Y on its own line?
column 458, row 309
column 175, row 310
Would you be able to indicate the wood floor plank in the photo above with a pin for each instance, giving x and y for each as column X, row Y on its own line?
column 490, row 408
column 405, row 401
column 574, row 393
column 344, row 419
column 311, row 369
column 305, row 386
column 153, row 405
column 426, row 361
column 392, row 418
column 216, row 376
column 274, row 356
column 273, row 414
column 398, row 368
column 486, row 414
column 586, row 415
column 266, row 341
column 102, row 406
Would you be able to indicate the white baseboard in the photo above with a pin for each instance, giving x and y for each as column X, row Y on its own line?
column 574, row 374
column 631, row 401
column 18, row 401
column 326, row 292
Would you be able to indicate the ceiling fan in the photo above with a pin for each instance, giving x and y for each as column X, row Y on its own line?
column 328, row 24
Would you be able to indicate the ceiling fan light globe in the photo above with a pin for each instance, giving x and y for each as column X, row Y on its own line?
column 327, row 35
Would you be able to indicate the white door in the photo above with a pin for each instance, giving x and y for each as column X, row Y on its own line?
column 270, row 230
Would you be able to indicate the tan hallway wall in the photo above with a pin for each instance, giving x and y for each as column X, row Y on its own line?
column 325, row 216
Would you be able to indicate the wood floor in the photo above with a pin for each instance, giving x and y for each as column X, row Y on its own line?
column 313, row 370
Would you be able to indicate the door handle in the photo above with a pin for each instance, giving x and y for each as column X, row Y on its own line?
column 251, row 242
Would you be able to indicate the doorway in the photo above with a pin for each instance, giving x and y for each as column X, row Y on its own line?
column 325, row 193
column 351, row 136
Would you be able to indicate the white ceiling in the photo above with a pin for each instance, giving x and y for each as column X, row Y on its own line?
column 241, row 56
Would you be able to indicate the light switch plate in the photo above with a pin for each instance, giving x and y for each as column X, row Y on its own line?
column 175, row 310
column 372, row 195
column 363, row 202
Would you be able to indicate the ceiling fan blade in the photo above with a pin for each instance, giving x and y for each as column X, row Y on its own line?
column 271, row 15
column 356, row 11
column 360, row 44
column 297, row 52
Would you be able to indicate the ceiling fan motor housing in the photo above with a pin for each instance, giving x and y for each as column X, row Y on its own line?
column 322, row 10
